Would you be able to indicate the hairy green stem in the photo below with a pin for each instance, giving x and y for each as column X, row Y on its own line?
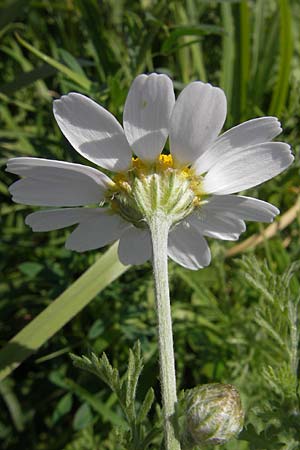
column 159, row 226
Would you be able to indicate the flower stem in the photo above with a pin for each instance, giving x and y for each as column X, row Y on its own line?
column 159, row 227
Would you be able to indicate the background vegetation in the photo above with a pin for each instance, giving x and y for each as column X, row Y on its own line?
column 234, row 322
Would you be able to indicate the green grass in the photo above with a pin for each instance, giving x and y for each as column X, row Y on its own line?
column 235, row 321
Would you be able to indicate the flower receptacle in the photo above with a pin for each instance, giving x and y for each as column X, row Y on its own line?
column 152, row 189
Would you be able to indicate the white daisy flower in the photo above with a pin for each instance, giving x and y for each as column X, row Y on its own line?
column 192, row 186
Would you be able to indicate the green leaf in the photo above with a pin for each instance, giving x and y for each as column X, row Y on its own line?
column 63, row 407
column 153, row 433
column 146, row 405
column 83, row 417
column 96, row 329
column 31, row 269
column 103, row 272
column 100, row 367
column 195, row 30
column 124, row 387
column 71, row 62
column 135, row 367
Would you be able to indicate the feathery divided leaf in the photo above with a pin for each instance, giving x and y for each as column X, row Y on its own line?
column 125, row 388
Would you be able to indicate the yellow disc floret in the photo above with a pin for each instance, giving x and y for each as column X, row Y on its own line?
column 165, row 162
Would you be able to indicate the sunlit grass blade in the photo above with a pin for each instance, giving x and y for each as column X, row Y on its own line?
column 71, row 62
column 228, row 54
column 182, row 41
column 239, row 99
column 144, row 58
column 244, row 56
column 258, row 29
column 191, row 30
column 105, row 270
column 194, row 9
column 285, row 57
column 78, row 78
column 264, row 53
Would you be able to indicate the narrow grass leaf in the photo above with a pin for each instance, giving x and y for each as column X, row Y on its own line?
column 103, row 272
column 78, row 78
column 71, row 62
column 258, row 34
column 285, row 57
column 182, row 31
column 12, row 403
column 228, row 53
column 244, row 56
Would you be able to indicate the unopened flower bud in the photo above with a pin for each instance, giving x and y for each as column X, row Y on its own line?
column 213, row 415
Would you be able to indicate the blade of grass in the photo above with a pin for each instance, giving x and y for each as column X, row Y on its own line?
column 258, row 34
column 70, row 61
column 13, row 404
column 244, row 56
column 194, row 11
column 100, row 41
column 103, row 272
column 144, row 53
column 78, row 78
column 264, row 53
column 228, row 54
column 285, row 57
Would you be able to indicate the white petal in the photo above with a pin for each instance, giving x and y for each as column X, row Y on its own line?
column 247, row 167
column 147, row 113
column 56, row 219
column 252, row 132
column 26, row 167
column 218, row 226
column 135, row 246
column 96, row 232
column 92, row 131
column 196, row 121
column 245, row 208
column 223, row 216
column 56, row 183
column 188, row 248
